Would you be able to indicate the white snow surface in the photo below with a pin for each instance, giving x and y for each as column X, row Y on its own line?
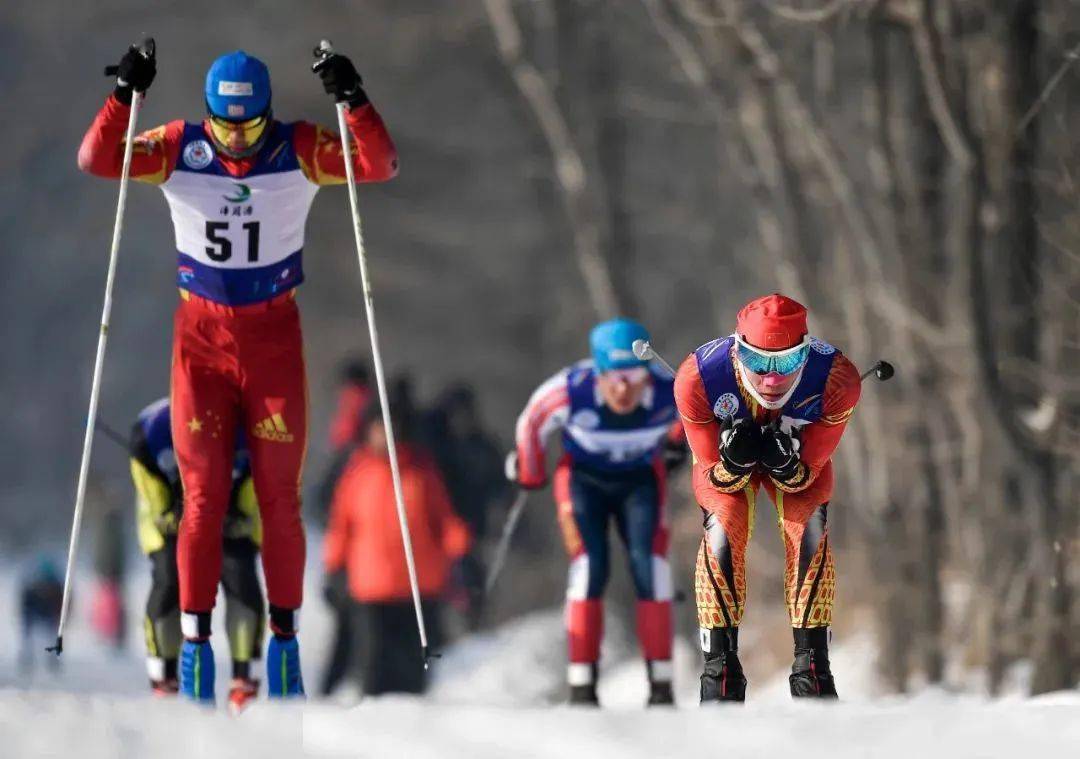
column 497, row 695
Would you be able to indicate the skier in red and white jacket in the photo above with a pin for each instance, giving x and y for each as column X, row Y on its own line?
column 620, row 435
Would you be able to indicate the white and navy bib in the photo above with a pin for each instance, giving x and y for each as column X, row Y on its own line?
column 239, row 239
column 598, row 438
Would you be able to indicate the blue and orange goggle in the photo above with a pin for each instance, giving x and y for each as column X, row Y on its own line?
column 782, row 362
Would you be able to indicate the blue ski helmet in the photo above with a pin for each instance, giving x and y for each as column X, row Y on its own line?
column 238, row 87
column 612, row 344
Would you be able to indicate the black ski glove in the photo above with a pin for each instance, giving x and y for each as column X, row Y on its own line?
column 779, row 451
column 136, row 70
column 339, row 78
column 740, row 445
column 674, row 454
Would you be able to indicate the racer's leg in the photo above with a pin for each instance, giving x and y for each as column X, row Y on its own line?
column 583, row 517
column 274, row 400
column 809, row 576
column 161, row 624
column 809, row 581
column 204, row 415
column 642, row 527
column 245, row 611
column 720, row 586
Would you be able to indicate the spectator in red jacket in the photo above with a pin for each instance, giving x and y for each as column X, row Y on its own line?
column 364, row 543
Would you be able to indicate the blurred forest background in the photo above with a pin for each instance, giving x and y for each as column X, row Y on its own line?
column 906, row 168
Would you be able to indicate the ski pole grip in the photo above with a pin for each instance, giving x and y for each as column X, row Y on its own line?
column 58, row 647
column 322, row 52
column 147, row 49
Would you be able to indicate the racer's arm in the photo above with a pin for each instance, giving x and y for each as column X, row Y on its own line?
column 154, row 497
column 374, row 156
column 153, row 156
column 674, row 450
column 819, row 439
column 702, row 429
column 547, row 411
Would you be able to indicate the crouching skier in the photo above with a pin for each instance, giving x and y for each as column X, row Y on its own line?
column 239, row 186
column 765, row 407
column 159, row 498
column 617, row 416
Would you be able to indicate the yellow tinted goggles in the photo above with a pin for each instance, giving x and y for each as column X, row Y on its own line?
column 242, row 132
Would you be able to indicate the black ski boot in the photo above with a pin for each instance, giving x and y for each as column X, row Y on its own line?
column 723, row 678
column 584, row 694
column 810, row 674
column 660, row 683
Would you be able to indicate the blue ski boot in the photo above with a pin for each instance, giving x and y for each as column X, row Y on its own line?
column 283, row 678
column 197, row 671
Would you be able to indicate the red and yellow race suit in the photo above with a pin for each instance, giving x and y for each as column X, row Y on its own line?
column 708, row 388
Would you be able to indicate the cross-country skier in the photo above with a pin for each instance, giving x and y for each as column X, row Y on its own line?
column 765, row 407
column 617, row 415
column 159, row 505
column 239, row 186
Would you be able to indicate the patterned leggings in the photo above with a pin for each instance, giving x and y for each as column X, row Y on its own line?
column 809, row 576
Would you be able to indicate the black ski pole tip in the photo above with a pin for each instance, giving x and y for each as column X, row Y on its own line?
column 429, row 656
column 58, row 647
column 884, row 371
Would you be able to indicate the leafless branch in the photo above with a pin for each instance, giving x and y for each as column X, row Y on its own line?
column 1070, row 58
column 814, row 15
column 569, row 167
column 936, row 95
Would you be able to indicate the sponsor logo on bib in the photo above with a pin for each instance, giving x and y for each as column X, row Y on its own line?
column 198, row 154
column 726, row 405
column 243, row 193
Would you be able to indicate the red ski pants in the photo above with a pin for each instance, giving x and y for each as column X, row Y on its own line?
column 232, row 369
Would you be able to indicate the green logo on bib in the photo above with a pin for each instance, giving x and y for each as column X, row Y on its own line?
column 243, row 192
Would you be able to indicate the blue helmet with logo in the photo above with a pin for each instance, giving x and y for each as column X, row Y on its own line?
column 612, row 344
column 238, row 87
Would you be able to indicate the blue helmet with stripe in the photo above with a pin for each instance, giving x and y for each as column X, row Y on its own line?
column 612, row 344
column 238, row 87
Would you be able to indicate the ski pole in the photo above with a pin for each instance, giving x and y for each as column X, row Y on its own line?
column 501, row 551
column 111, row 434
column 146, row 49
column 323, row 53
column 643, row 350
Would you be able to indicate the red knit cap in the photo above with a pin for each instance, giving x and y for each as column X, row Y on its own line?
column 773, row 322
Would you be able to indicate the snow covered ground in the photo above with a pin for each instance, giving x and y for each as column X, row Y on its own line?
column 495, row 695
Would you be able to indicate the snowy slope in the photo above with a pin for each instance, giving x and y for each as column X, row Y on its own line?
column 496, row 695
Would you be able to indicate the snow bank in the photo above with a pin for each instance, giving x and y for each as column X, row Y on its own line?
column 497, row 695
